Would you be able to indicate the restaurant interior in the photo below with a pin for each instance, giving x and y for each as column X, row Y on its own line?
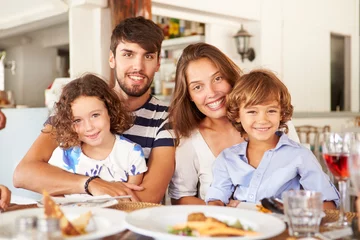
column 313, row 46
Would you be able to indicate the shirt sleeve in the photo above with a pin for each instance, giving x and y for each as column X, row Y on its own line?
column 164, row 135
column 221, row 187
column 137, row 161
column 56, row 158
column 314, row 178
column 185, row 179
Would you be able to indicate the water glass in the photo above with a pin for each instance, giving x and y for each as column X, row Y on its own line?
column 303, row 210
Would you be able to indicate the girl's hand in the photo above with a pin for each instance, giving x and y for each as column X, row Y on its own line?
column 5, row 197
column 233, row 203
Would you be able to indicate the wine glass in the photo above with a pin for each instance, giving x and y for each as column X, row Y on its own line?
column 354, row 163
column 336, row 151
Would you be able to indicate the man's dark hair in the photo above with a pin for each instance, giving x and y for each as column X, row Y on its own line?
column 138, row 30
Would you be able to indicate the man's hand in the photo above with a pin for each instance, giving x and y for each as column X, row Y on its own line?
column 101, row 187
column 5, row 197
column 2, row 120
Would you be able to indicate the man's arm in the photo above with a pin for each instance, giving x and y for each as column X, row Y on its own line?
column 36, row 174
column 2, row 120
column 161, row 167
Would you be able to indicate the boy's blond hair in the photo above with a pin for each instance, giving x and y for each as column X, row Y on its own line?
column 258, row 87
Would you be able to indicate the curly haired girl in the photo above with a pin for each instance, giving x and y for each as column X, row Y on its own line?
column 88, row 123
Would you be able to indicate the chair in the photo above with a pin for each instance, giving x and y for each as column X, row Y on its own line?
column 314, row 135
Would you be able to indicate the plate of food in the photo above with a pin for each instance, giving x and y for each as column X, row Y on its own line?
column 207, row 222
column 75, row 223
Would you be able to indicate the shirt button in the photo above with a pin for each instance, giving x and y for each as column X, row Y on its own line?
column 251, row 196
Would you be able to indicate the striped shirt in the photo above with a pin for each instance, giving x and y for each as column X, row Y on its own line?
column 151, row 128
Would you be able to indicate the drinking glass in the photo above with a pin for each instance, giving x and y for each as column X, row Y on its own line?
column 303, row 210
column 336, row 151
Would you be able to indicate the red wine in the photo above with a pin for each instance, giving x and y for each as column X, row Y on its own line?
column 338, row 165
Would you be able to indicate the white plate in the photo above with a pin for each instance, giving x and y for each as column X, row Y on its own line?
column 104, row 222
column 155, row 222
column 79, row 199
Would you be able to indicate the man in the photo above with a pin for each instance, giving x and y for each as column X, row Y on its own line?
column 2, row 120
column 134, row 57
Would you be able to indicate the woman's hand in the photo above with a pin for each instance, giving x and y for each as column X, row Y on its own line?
column 5, row 197
column 101, row 187
column 233, row 203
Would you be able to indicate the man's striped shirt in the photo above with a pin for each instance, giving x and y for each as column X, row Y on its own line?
column 151, row 128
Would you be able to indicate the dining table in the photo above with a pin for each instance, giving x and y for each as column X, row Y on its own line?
column 330, row 216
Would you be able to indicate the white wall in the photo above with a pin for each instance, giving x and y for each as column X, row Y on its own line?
column 35, row 56
column 22, row 128
column 296, row 44
column 291, row 37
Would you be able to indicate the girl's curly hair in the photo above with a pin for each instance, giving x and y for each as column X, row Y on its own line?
column 258, row 87
column 87, row 85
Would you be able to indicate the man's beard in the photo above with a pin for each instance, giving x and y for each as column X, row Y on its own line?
column 134, row 91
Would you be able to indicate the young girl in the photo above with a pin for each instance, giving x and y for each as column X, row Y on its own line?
column 268, row 162
column 88, row 124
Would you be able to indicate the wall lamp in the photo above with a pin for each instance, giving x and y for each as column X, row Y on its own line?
column 242, row 38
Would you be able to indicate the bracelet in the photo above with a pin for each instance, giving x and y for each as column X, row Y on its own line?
column 86, row 185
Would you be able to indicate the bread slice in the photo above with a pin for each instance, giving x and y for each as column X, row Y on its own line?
column 52, row 210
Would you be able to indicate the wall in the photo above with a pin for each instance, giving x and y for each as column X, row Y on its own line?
column 296, row 43
column 291, row 37
column 15, row 141
column 35, row 56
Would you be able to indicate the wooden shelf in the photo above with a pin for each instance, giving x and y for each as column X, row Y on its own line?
column 181, row 42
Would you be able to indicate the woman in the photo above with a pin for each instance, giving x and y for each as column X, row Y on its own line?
column 204, row 76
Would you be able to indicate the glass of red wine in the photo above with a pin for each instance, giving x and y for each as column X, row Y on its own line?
column 336, row 150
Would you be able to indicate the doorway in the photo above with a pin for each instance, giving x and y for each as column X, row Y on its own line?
column 340, row 73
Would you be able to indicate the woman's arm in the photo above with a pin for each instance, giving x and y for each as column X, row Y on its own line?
column 191, row 200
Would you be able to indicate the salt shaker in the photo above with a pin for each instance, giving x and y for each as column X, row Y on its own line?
column 26, row 228
column 48, row 229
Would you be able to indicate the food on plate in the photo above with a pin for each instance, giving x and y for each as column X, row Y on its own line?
column 68, row 228
column 199, row 225
column 260, row 208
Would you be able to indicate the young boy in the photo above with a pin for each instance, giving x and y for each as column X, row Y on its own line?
column 268, row 162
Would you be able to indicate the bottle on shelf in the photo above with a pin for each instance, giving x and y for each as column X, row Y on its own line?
column 174, row 31
column 182, row 28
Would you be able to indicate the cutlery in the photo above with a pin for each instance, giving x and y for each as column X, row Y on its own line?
column 90, row 200
column 273, row 204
